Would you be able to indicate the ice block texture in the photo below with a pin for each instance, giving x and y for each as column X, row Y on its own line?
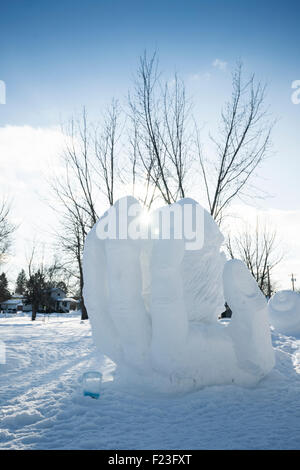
column 154, row 307
column 284, row 312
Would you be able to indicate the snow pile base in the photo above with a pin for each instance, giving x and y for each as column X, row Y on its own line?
column 154, row 302
column 284, row 312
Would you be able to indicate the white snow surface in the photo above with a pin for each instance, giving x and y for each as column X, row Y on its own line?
column 42, row 405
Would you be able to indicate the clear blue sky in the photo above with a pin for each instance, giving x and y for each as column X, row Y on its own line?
column 56, row 56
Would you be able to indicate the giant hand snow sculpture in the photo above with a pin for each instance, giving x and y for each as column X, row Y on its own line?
column 154, row 301
column 284, row 312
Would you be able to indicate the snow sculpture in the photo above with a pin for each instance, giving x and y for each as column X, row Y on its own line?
column 154, row 302
column 284, row 312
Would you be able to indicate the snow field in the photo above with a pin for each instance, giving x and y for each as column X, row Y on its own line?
column 42, row 405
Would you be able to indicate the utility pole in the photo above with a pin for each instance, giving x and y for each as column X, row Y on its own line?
column 293, row 279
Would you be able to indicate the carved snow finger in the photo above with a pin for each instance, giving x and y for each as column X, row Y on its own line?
column 249, row 326
column 167, row 307
column 96, row 296
column 127, row 307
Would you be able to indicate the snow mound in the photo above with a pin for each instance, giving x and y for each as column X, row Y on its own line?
column 23, row 418
column 154, row 301
column 284, row 312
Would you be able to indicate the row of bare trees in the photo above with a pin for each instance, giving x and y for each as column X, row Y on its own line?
column 153, row 148
column 243, row 143
column 258, row 248
column 7, row 228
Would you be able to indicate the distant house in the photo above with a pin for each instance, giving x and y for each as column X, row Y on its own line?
column 12, row 306
column 66, row 304
column 58, row 302
column 55, row 296
column 15, row 304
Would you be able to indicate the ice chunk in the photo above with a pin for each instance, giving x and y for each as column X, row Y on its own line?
column 201, row 272
column 284, row 312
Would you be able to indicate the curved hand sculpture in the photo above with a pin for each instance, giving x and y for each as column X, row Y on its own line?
column 154, row 304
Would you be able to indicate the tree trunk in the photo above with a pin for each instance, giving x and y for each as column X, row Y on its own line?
column 84, row 314
column 33, row 313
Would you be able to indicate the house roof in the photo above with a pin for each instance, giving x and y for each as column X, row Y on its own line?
column 11, row 302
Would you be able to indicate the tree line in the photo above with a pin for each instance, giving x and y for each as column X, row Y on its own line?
column 35, row 288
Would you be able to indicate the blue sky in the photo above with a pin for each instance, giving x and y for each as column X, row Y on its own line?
column 56, row 56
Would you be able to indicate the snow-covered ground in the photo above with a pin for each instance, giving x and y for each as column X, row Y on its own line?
column 42, row 405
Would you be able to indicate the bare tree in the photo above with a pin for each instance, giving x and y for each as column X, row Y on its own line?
column 74, row 193
column 159, row 114
column 71, row 239
column 106, row 140
column 90, row 165
column 57, row 276
column 243, row 144
column 31, row 258
column 144, row 179
column 160, row 154
column 260, row 252
column 161, row 137
column 76, row 189
column 7, row 228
